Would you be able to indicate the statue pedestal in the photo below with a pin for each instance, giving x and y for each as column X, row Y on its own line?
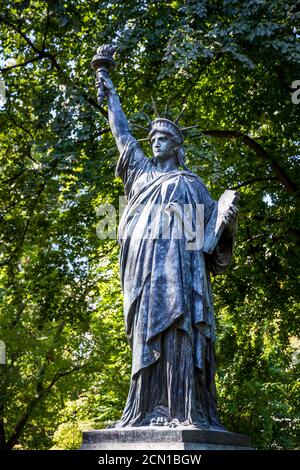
column 164, row 438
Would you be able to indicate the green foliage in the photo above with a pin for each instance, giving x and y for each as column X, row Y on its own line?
column 232, row 63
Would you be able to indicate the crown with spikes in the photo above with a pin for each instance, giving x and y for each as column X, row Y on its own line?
column 165, row 125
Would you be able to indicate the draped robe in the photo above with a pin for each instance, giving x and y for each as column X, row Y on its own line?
column 168, row 304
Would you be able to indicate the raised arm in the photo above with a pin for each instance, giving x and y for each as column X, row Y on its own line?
column 117, row 119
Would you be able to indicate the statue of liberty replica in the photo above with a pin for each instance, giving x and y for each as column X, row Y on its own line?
column 172, row 237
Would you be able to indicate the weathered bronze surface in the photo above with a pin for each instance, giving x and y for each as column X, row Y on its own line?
column 166, row 271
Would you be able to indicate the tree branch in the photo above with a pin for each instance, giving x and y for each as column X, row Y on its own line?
column 22, row 64
column 280, row 173
column 21, row 423
column 87, row 97
column 3, row 443
column 13, row 178
column 47, row 26
column 253, row 180
column 28, row 221
column 35, row 401
column 19, row 31
column 20, row 126
column 42, row 54
column 200, row 71
column 60, row 375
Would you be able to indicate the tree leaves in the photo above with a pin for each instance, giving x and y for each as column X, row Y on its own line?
column 232, row 63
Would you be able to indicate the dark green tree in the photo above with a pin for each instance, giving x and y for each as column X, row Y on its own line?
column 232, row 64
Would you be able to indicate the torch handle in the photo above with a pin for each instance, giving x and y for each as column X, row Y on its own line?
column 100, row 88
column 103, row 63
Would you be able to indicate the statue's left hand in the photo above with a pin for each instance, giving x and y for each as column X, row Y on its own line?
column 230, row 217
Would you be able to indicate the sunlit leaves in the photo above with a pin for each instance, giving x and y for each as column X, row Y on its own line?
column 232, row 63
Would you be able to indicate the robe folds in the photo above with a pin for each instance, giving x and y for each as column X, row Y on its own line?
column 168, row 305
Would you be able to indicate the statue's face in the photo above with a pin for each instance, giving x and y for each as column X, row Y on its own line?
column 163, row 146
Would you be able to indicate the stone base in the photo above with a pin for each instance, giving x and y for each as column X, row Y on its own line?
column 164, row 438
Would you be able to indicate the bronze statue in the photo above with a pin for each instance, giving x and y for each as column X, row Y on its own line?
column 168, row 302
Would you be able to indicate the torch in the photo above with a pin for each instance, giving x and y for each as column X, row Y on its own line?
column 103, row 63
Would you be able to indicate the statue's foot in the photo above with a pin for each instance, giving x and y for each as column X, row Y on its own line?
column 174, row 423
column 162, row 421
column 159, row 421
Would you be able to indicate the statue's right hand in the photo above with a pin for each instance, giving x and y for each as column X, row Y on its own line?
column 105, row 82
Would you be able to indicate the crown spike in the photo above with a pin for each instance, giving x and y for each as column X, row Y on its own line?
column 142, row 127
column 167, row 108
column 180, row 114
column 154, row 107
column 187, row 128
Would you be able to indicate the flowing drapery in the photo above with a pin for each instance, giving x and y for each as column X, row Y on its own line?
column 168, row 304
